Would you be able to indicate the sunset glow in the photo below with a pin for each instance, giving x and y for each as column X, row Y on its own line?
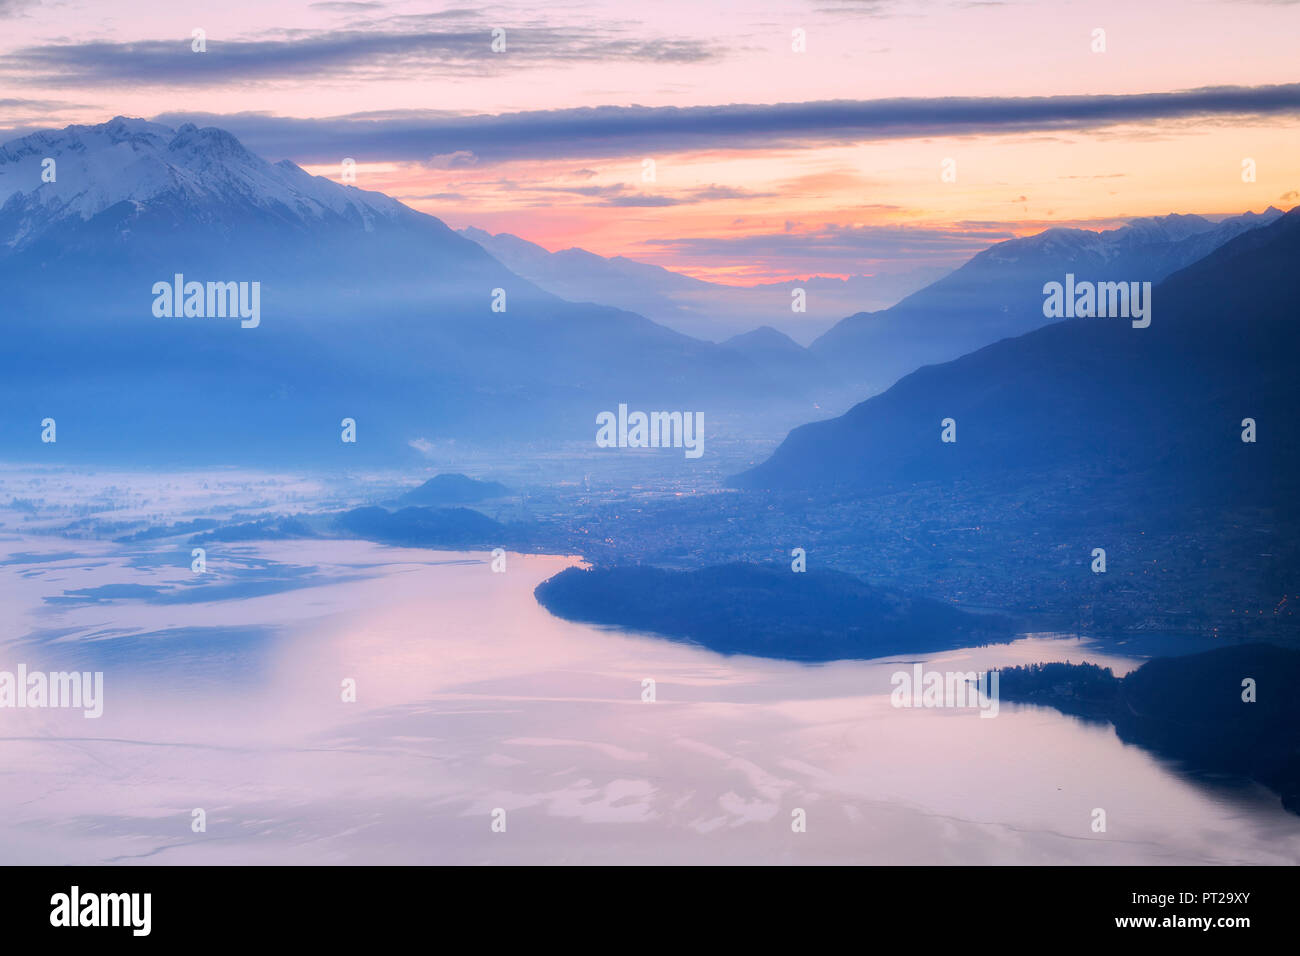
column 343, row 78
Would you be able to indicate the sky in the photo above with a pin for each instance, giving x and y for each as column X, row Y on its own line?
column 902, row 137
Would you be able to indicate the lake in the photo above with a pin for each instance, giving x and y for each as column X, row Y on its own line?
column 223, row 693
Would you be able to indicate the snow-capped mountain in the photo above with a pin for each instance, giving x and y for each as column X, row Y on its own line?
column 96, row 168
column 998, row 293
column 367, row 309
column 1163, row 242
column 370, row 310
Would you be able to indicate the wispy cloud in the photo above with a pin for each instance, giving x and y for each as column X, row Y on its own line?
column 347, row 6
column 43, row 105
column 12, row 8
column 461, row 46
column 621, row 131
column 843, row 243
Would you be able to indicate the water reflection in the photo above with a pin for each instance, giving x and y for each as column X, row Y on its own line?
column 471, row 697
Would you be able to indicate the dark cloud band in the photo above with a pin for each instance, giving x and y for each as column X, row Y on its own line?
column 622, row 131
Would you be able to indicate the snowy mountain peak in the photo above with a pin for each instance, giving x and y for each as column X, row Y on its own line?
column 1148, row 234
column 127, row 160
column 1173, row 227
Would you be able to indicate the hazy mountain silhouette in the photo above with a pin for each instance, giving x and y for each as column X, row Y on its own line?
column 710, row 310
column 1159, row 407
column 780, row 356
column 453, row 489
column 998, row 293
column 369, row 310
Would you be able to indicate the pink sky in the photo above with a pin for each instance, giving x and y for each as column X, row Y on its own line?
column 62, row 62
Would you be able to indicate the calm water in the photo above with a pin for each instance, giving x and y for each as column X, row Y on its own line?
column 223, row 693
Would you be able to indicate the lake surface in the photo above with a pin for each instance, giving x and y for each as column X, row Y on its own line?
column 223, row 692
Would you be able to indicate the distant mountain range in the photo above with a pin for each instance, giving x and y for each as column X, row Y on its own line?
column 1084, row 440
column 1158, row 408
column 998, row 293
column 369, row 310
column 707, row 310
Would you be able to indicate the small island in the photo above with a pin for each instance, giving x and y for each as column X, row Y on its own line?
column 1191, row 709
column 767, row 611
column 453, row 489
column 423, row 527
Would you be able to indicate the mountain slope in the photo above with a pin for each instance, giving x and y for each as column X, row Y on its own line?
column 453, row 489
column 142, row 163
column 780, row 356
column 1162, row 406
column 1083, row 441
column 368, row 310
column 709, row 310
column 998, row 294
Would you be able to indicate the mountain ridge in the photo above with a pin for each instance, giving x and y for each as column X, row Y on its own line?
column 370, row 310
column 1082, row 374
column 998, row 293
